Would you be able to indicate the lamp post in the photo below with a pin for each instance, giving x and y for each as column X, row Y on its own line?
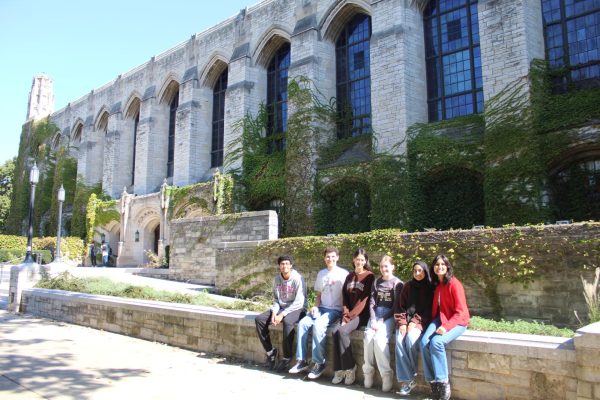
column 34, row 177
column 61, row 199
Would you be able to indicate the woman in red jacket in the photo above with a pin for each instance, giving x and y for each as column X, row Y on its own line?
column 450, row 319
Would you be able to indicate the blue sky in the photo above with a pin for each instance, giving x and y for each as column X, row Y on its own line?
column 82, row 45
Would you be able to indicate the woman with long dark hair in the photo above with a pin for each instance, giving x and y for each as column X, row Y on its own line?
column 412, row 312
column 355, row 293
column 450, row 315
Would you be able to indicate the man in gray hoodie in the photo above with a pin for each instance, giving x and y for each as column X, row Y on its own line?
column 289, row 305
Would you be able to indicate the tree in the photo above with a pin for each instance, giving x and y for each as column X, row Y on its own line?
column 7, row 172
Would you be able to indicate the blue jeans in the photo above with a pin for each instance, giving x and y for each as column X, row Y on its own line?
column 433, row 351
column 407, row 348
column 104, row 261
column 319, row 325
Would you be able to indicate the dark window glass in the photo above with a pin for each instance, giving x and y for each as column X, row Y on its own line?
column 454, row 80
column 172, row 114
column 572, row 35
column 353, row 78
column 277, row 82
column 136, row 122
column 576, row 190
column 218, row 121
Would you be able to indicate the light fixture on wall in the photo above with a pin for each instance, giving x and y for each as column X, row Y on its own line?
column 137, row 236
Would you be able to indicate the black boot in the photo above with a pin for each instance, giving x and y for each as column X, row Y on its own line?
column 435, row 390
column 444, row 391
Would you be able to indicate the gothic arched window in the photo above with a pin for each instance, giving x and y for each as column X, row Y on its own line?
column 218, row 121
column 453, row 57
column 353, row 77
column 136, row 122
column 277, row 96
column 172, row 114
column 572, row 34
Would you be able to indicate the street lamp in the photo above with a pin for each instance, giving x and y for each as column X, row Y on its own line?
column 34, row 178
column 61, row 199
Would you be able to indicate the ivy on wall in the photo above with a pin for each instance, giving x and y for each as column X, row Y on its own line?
column 484, row 258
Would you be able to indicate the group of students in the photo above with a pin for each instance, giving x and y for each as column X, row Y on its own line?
column 426, row 314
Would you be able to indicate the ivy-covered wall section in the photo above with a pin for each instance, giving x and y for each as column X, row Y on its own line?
column 56, row 168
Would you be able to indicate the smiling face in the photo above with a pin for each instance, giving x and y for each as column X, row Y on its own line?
column 359, row 263
column 331, row 259
column 418, row 272
column 440, row 268
column 285, row 267
column 387, row 269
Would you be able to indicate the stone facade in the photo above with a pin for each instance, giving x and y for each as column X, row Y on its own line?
column 119, row 133
column 483, row 365
column 196, row 242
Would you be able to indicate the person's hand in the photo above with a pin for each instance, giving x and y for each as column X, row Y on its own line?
column 410, row 327
column 402, row 330
column 441, row 330
column 277, row 319
column 314, row 311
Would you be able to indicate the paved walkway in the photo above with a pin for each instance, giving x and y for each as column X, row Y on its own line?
column 45, row 359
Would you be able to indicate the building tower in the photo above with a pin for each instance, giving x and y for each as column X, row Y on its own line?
column 41, row 98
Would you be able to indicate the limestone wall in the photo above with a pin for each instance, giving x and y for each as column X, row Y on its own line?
column 195, row 242
column 483, row 365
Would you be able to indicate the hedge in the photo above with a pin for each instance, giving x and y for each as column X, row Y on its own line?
column 70, row 247
column 15, row 256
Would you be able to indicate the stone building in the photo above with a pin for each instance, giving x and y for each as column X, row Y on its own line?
column 392, row 63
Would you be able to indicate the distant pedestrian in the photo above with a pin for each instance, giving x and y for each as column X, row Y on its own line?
column 93, row 254
column 104, row 249
column 289, row 305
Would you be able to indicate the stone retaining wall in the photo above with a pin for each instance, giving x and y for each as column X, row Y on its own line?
column 484, row 365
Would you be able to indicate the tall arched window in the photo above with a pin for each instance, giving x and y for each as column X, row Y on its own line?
column 576, row 190
column 572, row 33
column 172, row 114
column 136, row 122
column 218, row 121
column 277, row 96
column 454, row 83
column 353, row 77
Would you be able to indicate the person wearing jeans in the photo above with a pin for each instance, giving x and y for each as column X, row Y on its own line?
column 326, row 312
column 450, row 319
column 412, row 311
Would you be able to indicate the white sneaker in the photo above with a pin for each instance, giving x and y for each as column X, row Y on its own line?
column 369, row 381
column 407, row 387
column 386, row 383
column 338, row 377
column 350, row 376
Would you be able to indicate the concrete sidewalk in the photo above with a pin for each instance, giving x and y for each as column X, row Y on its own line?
column 45, row 359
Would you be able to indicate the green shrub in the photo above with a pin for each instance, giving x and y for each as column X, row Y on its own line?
column 70, row 247
column 16, row 256
column 518, row 326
